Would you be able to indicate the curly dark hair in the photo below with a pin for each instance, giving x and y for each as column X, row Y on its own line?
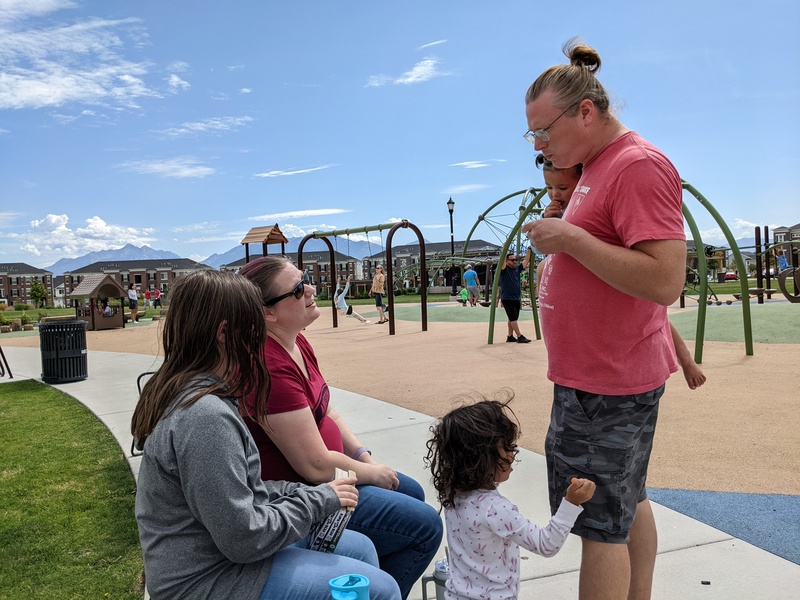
column 464, row 451
column 545, row 165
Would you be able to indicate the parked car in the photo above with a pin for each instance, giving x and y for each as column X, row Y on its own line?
column 731, row 277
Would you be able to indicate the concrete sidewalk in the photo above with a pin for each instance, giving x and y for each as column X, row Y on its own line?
column 689, row 552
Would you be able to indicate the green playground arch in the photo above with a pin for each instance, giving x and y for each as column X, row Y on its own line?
column 530, row 207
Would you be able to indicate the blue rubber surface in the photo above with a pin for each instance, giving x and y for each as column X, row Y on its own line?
column 769, row 521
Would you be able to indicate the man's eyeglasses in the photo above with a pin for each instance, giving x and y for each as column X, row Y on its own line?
column 298, row 291
column 541, row 134
column 511, row 259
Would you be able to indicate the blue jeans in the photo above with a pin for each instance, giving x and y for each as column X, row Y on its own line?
column 405, row 530
column 299, row 574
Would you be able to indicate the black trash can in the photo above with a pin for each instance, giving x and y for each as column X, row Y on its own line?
column 63, row 346
column 720, row 277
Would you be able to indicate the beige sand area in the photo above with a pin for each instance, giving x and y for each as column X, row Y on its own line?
column 737, row 433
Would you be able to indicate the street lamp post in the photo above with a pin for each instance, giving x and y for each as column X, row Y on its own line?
column 450, row 206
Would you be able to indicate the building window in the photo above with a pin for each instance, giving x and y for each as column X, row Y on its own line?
column 151, row 276
column 164, row 276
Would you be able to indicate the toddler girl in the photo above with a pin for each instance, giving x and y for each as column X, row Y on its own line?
column 472, row 450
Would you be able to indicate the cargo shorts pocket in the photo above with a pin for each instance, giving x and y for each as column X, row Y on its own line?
column 602, row 464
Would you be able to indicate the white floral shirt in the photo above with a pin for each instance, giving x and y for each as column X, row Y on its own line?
column 484, row 533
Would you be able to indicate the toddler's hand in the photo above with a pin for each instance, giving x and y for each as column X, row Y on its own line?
column 554, row 209
column 580, row 490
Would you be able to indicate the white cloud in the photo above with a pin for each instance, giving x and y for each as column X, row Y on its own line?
column 7, row 217
column 176, row 84
column 465, row 189
column 477, row 164
column 208, row 225
column 52, row 236
column 82, row 62
column 295, row 172
column 378, row 81
column 739, row 228
column 436, row 43
column 178, row 66
column 245, row 91
column 298, row 214
column 217, row 125
column 423, row 71
column 179, row 168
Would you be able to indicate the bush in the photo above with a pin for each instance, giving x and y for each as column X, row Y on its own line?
column 20, row 306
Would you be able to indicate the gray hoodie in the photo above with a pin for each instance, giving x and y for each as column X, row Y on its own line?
column 208, row 524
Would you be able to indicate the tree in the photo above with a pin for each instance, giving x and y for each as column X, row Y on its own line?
column 38, row 292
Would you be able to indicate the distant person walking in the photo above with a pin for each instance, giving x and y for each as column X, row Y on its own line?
column 157, row 298
column 378, row 290
column 473, row 284
column 147, row 296
column 133, row 302
column 339, row 296
column 511, row 293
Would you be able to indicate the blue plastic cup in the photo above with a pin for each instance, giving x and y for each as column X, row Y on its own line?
column 349, row 587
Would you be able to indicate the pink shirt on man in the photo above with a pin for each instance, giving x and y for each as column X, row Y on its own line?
column 598, row 339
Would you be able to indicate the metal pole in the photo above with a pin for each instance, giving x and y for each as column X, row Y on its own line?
column 450, row 206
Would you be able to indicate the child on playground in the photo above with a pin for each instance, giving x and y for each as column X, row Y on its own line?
column 560, row 184
column 472, row 450
column 339, row 301
column 463, row 296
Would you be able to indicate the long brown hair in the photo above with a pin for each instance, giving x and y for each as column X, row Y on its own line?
column 199, row 303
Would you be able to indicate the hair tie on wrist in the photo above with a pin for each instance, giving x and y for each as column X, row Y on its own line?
column 357, row 454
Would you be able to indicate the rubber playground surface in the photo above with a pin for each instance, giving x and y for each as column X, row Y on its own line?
column 727, row 454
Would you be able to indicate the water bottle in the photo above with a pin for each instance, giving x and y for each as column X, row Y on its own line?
column 349, row 587
column 441, row 572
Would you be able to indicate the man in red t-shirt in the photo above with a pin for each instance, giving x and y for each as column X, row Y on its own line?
column 621, row 243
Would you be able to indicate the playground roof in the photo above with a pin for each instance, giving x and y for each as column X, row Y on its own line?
column 265, row 235
column 96, row 285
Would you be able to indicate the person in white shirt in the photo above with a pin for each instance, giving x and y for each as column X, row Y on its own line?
column 472, row 450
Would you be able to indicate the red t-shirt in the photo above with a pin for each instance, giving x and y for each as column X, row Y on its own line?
column 598, row 339
column 291, row 390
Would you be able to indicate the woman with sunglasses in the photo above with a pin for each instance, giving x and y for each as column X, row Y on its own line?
column 304, row 439
column 378, row 290
column 208, row 525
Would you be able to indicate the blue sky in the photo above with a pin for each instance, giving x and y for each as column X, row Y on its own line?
column 181, row 125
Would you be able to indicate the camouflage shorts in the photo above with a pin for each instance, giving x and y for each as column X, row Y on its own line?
column 607, row 439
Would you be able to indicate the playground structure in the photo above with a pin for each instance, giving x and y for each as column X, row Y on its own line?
column 392, row 227
column 530, row 208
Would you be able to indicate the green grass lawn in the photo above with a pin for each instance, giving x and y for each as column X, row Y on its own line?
column 67, row 526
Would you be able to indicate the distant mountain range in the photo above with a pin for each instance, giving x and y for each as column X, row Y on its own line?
column 130, row 252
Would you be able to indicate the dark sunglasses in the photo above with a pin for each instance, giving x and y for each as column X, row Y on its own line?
column 298, row 291
column 511, row 259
